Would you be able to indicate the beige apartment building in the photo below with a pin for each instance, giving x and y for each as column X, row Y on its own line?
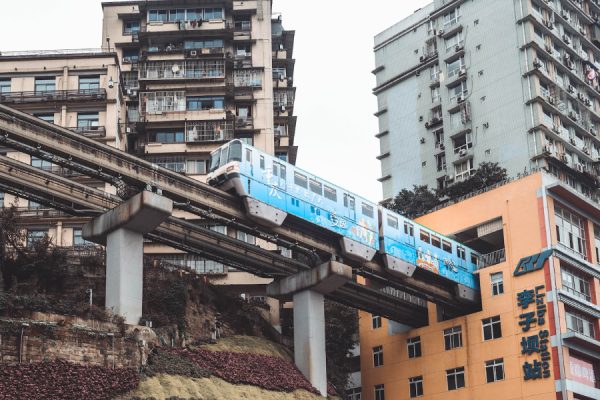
column 171, row 81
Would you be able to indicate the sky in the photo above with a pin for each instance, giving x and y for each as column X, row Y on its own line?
column 334, row 56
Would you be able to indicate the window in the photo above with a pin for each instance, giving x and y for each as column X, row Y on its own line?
column 440, row 161
column 131, row 27
column 281, row 155
column 453, row 337
column 300, row 180
column 246, row 237
column 87, row 120
column 45, row 84
column 392, row 221
column 414, row 347
column 130, row 55
column 463, row 170
column 196, row 167
column 576, row 284
column 491, row 328
column 435, row 94
column 580, row 323
column 203, row 44
column 497, row 281
column 570, row 231
column 4, row 85
column 174, row 163
column 415, row 385
column 376, row 321
column 204, row 103
column 452, row 17
column 166, row 137
column 453, row 41
column 45, row 117
column 455, row 378
column 35, row 235
column 494, row 370
column 435, row 241
column 377, row 356
column 90, row 83
column 424, row 236
column 454, row 67
column 597, row 242
column 460, row 252
column 261, row 162
column 446, row 246
column 379, row 392
column 409, row 228
column 158, row 16
column 367, row 210
column 41, row 164
column 458, row 90
column 354, row 393
column 315, row 187
column 434, row 72
column 330, row 193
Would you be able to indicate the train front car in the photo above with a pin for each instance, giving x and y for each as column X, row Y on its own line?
column 408, row 246
column 272, row 189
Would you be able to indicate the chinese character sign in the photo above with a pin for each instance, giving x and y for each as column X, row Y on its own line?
column 532, row 303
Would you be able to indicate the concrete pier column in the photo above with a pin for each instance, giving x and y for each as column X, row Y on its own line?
column 122, row 230
column 307, row 289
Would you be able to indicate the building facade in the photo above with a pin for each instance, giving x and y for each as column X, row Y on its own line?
column 459, row 83
column 171, row 82
column 537, row 334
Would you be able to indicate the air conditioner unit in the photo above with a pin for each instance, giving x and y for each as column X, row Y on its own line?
column 537, row 63
column 588, row 102
column 573, row 142
column 565, row 15
column 552, row 100
column 462, row 71
column 460, row 98
column 440, row 32
column 462, row 152
column 556, row 129
column 435, row 120
column 593, row 131
column 422, row 140
column 458, row 48
column 572, row 115
column 580, row 96
column 427, row 124
column 546, row 149
column 570, row 89
column 563, row 158
column 579, row 167
column 548, row 48
column 128, row 129
column 449, row 178
column 422, row 58
column 442, row 147
column 586, row 151
column 566, row 39
column 549, row 24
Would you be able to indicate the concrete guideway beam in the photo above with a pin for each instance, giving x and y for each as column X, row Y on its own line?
column 308, row 289
column 122, row 230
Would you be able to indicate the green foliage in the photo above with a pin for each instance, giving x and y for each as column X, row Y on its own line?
column 416, row 202
column 340, row 337
column 165, row 302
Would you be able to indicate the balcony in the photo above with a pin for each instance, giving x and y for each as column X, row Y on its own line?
column 245, row 78
column 183, row 69
column 91, row 131
column 493, row 258
column 186, row 26
column 208, row 131
column 53, row 96
column 244, row 123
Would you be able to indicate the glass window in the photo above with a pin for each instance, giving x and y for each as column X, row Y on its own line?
column 453, row 41
column 492, row 328
column 377, row 356
column 392, row 221
column 45, row 117
column 379, row 392
column 330, row 193
column 453, row 337
column 174, row 163
column 460, row 253
column 246, row 237
column 315, row 187
column 435, row 241
column 447, row 246
column 415, row 385
column 455, row 378
column 166, row 137
column 497, row 281
column 409, row 228
column 368, row 210
column 576, row 284
column 580, row 323
column 41, row 164
column 376, row 321
column 414, row 347
column 89, row 82
column 283, row 156
column 424, row 236
column 131, row 27
column 45, row 84
column 78, row 239
column 454, row 67
column 87, row 120
column 452, row 17
column 35, row 235
column 204, row 103
column 4, row 85
column 196, row 167
column 157, row 15
column 460, row 89
column 570, row 231
column 300, row 180
column 494, row 370
column 130, row 55
column 212, row 13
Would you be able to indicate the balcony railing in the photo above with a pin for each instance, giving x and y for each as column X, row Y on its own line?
column 90, row 131
column 53, row 95
column 244, row 123
column 493, row 258
column 208, row 131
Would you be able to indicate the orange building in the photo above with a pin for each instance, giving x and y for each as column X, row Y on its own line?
column 536, row 336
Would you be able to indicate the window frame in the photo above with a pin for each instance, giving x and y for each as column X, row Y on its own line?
column 491, row 325
column 453, row 337
column 454, row 375
column 413, row 347
column 494, row 368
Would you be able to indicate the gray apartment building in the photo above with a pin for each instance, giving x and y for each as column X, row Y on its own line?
column 459, row 83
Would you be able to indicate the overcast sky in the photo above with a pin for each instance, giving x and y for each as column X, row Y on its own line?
column 334, row 56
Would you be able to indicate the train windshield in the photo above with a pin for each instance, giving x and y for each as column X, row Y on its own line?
column 231, row 152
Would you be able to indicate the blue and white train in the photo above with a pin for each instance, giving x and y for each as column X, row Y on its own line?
column 272, row 189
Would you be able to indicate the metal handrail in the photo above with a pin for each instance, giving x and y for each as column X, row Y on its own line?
column 52, row 95
column 53, row 52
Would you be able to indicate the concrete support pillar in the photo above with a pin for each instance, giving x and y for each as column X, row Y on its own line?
column 309, row 338
column 124, row 274
column 307, row 289
column 122, row 230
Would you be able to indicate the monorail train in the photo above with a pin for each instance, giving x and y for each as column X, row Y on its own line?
column 272, row 189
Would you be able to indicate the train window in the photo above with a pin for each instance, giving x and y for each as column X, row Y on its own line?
column 424, row 237
column 262, row 162
column 435, row 241
column 474, row 259
column 367, row 210
column 248, row 155
column 447, row 246
column 235, row 151
column 275, row 169
column 409, row 229
column 392, row 221
column 214, row 160
column 460, row 252
column 300, row 180
column 348, row 201
column 330, row 193
column 316, row 187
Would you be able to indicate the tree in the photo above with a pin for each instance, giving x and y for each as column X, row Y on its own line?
column 412, row 203
column 341, row 324
column 485, row 175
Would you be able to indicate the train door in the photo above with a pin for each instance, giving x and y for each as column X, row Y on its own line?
column 409, row 233
column 350, row 206
column 279, row 175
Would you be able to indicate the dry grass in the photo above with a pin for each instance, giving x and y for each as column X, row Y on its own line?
column 164, row 386
column 249, row 344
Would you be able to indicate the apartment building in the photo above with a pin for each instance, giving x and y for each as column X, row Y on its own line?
column 170, row 82
column 459, row 83
column 537, row 334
